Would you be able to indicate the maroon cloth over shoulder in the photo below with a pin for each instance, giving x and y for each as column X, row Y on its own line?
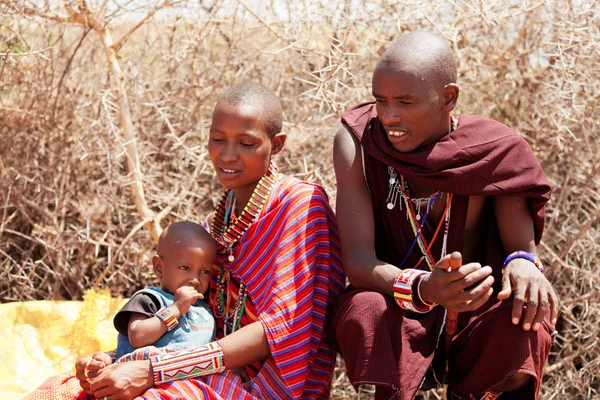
column 480, row 157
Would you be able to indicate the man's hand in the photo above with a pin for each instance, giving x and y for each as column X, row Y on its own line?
column 88, row 367
column 531, row 288
column 464, row 289
column 123, row 381
column 185, row 296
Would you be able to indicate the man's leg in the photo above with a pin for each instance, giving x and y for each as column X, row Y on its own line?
column 379, row 344
column 490, row 353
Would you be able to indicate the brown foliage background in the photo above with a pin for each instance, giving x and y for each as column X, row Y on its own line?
column 67, row 218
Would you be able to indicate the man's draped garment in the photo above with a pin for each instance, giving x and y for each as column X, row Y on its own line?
column 386, row 346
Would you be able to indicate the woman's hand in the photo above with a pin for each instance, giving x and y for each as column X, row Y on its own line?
column 532, row 288
column 88, row 367
column 123, row 381
column 241, row 372
column 464, row 289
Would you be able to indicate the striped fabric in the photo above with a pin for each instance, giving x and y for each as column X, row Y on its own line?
column 250, row 314
column 289, row 258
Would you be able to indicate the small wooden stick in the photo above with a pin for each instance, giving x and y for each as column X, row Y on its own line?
column 452, row 317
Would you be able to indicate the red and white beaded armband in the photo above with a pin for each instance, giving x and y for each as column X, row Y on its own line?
column 404, row 288
column 167, row 317
column 202, row 360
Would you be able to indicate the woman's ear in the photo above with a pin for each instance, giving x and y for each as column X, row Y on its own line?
column 277, row 142
column 451, row 92
column 157, row 266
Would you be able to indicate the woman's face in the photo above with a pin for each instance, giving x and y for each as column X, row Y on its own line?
column 239, row 146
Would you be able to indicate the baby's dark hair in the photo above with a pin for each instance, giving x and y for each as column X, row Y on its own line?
column 257, row 95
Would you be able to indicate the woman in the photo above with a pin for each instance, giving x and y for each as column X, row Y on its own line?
column 278, row 268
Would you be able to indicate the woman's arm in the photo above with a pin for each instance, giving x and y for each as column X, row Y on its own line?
column 128, row 380
column 245, row 346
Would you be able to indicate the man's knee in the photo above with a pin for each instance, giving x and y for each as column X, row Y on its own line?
column 355, row 313
column 363, row 304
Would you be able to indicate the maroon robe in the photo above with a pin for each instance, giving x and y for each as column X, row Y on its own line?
column 391, row 348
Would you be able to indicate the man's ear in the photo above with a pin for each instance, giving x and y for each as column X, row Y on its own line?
column 277, row 142
column 451, row 92
column 157, row 265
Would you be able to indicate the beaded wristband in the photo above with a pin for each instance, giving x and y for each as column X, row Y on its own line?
column 525, row 255
column 202, row 360
column 167, row 316
column 403, row 291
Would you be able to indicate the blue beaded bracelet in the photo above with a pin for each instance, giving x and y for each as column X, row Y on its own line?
column 525, row 255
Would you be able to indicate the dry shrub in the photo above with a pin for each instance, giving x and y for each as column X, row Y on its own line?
column 67, row 217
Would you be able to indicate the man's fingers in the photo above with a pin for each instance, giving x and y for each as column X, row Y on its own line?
column 532, row 306
column 455, row 260
column 444, row 263
column 475, row 303
column 518, row 302
column 543, row 306
column 477, row 291
column 506, row 287
column 465, row 271
column 480, row 274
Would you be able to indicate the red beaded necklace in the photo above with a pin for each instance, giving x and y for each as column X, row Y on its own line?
column 227, row 230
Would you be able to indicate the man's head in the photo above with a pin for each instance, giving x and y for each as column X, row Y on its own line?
column 414, row 85
column 244, row 134
column 185, row 256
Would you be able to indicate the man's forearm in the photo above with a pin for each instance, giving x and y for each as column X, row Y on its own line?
column 368, row 272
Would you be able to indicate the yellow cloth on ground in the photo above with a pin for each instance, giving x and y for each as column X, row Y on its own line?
column 43, row 338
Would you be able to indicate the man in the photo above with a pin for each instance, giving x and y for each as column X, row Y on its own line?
column 415, row 184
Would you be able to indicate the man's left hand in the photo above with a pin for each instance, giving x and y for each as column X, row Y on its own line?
column 532, row 289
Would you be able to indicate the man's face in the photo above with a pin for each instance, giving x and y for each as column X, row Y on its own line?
column 409, row 107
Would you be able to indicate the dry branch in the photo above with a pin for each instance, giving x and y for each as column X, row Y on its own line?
column 73, row 209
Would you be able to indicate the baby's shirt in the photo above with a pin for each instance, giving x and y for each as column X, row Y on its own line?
column 196, row 327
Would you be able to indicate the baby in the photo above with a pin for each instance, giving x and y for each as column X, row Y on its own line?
column 174, row 316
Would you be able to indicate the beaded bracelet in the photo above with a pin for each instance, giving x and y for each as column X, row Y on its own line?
column 202, row 360
column 404, row 288
column 525, row 255
column 167, row 316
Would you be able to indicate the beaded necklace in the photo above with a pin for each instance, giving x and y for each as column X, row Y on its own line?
column 399, row 188
column 227, row 230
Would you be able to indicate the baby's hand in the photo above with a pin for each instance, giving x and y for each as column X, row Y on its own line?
column 185, row 296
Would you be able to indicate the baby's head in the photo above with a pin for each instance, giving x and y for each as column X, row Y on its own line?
column 185, row 256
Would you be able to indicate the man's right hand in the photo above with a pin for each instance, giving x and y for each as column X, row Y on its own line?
column 185, row 296
column 464, row 289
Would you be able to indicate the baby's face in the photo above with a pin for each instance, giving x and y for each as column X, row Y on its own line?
column 186, row 265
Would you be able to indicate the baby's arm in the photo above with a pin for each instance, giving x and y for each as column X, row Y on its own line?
column 145, row 331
